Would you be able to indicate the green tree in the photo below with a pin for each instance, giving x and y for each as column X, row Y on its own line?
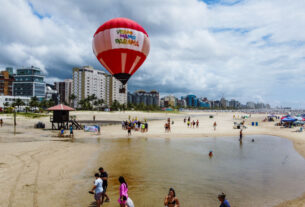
column 72, row 97
column 34, row 102
column 18, row 102
column 6, row 104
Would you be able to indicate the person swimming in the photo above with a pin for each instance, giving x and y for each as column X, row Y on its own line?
column 171, row 200
column 211, row 154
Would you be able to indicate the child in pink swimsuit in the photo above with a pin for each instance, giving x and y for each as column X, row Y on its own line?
column 123, row 191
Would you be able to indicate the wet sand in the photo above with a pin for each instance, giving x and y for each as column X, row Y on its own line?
column 37, row 168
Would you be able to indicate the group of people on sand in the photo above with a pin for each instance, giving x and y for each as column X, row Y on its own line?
column 191, row 124
column 135, row 125
column 100, row 186
column 62, row 132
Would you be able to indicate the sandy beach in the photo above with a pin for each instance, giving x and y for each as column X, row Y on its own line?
column 39, row 169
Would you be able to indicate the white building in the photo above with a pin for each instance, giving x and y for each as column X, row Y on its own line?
column 11, row 99
column 88, row 81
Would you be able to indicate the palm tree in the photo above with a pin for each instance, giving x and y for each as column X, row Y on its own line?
column 6, row 104
column 72, row 97
column 18, row 102
column 34, row 102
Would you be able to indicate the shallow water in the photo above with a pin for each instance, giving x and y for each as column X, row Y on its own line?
column 262, row 173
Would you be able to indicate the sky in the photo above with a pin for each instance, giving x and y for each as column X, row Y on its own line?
column 249, row 50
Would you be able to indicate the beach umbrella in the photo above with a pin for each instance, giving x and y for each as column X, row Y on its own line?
column 288, row 119
column 298, row 118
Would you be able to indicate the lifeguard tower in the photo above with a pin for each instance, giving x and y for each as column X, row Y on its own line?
column 61, row 118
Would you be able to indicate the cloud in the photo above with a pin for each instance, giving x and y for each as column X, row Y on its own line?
column 251, row 50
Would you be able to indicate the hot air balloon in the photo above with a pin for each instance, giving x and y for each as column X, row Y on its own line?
column 121, row 45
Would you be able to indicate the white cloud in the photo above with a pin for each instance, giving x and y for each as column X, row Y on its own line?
column 248, row 49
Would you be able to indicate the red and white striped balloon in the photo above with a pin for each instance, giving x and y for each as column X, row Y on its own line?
column 121, row 46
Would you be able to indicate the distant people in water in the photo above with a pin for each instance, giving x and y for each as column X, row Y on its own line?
column 171, row 200
column 211, row 154
column 223, row 201
column 215, row 125
column 252, row 140
column 241, row 135
column 129, row 130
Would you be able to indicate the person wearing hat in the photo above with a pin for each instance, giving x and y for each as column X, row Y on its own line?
column 223, row 201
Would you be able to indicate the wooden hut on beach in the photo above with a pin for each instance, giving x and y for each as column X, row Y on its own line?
column 61, row 118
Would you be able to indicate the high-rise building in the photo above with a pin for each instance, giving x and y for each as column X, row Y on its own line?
column 191, row 101
column 6, row 83
column 169, row 101
column 29, row 82
column 113, row 92
column 64, row 90
column 147, row 98
column 88, row 81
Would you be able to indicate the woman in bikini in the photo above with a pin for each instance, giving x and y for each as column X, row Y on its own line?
column 171, row 200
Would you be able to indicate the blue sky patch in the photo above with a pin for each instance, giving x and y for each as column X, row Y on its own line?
column 227, row 29
column 222, row 2
column 36, row 13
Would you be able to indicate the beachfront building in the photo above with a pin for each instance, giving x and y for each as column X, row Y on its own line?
column 6, row 83
column 64, row 89
column 87, row 81
column 142, row 97
column 112, row 91
column 29, row 82
column 234, row 104
column 191, row 101
column 9, row 100
column 169, row 101
column 250, row 105
column 203, row 104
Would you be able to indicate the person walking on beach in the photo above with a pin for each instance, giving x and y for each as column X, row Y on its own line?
column 104, row 177
column 223, row 201
column 123, row 191
column 146, row 126
column 215, row 126
column 129, row 130
column 171, row 200
column 184, row 120
column 94, row 118
column 197, row 124
column 71, row 131
column 193, row 123
column 98, row 189
column 1, row 122
column 241, row 135
column 188, row 123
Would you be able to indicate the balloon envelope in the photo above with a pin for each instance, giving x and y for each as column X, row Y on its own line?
column 121, row 45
